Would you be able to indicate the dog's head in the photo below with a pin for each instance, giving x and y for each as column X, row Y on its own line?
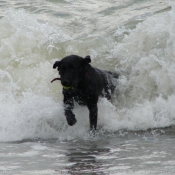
column 72, row 69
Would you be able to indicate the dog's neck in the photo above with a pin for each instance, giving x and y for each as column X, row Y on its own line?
column 83, row 79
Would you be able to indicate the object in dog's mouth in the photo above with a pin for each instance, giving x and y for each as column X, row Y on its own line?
column 84, row 84
column 55, row 79
column 65, row 87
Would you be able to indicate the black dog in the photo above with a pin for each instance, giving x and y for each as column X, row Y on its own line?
column 83, row 83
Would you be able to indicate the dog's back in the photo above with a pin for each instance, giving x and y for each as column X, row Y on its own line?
column 109, row 82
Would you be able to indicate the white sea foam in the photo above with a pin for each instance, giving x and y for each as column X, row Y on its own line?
column 146, row 59
column 31, row 107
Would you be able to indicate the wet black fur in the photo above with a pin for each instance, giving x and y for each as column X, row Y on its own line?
column 87, row 84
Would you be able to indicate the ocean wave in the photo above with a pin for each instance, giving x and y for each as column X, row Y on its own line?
column 31, row 107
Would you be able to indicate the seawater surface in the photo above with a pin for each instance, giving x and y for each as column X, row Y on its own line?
column 135, row 132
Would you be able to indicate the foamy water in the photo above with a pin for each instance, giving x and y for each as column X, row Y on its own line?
column 144, row 56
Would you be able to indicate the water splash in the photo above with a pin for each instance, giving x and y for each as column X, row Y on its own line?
column 31, row 107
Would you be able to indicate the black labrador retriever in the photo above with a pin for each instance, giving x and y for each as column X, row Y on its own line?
column 84, row 84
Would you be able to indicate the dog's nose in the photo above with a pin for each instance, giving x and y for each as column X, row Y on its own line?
column 66, row 83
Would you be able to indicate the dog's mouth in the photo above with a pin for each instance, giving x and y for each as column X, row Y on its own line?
column 65, row 87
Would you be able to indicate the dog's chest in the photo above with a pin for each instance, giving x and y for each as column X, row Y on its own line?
column 80, row 97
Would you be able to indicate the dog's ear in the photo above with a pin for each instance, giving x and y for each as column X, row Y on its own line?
column 56, row 64
column 87, row 59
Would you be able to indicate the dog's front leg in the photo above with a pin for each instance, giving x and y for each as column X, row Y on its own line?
column 93, row 110
column 68, row 107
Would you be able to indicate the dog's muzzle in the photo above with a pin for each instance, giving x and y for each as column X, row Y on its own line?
column 65, row 87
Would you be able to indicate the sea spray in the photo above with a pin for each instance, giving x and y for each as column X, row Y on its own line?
column 148, row 71
column 31, row 107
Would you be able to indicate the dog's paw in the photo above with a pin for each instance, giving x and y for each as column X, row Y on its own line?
column 71, row 120
column 93, row 133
